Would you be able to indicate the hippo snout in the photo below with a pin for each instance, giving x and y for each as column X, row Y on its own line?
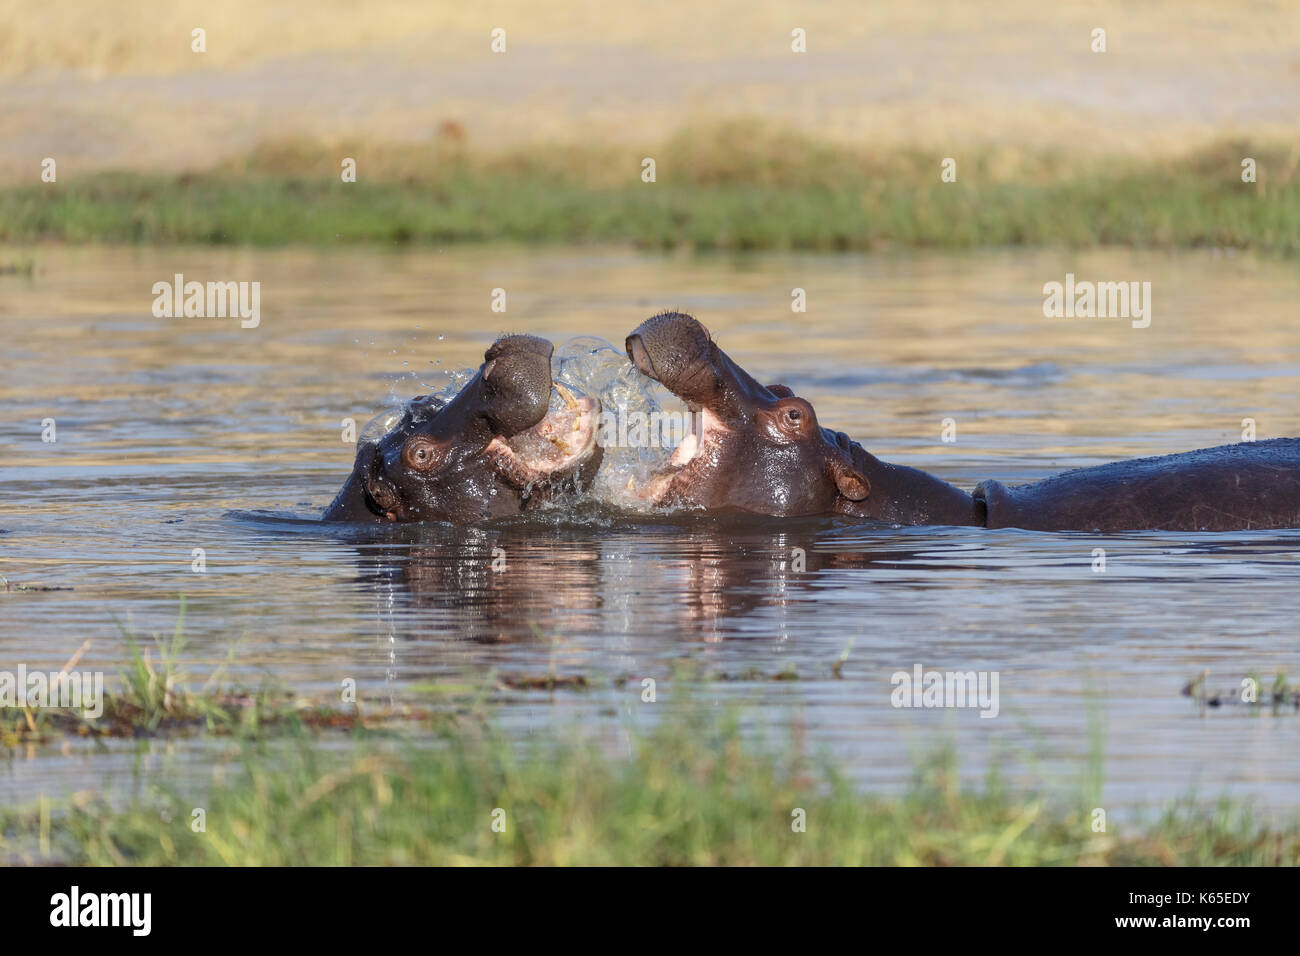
column 675, row 350
column 516, row 378
column 668, row 343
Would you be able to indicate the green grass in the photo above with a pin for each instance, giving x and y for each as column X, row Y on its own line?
column 691, row 793
column 740, row 186
column 296, row 783
column 153, row 698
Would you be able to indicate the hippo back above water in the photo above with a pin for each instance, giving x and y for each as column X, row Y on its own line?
column 1253, row 485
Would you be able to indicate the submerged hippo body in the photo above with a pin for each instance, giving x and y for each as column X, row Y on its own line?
column 495, row 449
column 760, row 449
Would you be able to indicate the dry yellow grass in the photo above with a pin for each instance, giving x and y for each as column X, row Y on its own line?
column 152, row 36
column 109, row 85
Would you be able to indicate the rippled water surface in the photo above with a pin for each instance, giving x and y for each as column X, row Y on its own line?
column 177, row 434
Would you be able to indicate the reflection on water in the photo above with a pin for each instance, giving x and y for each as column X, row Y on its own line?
column 182, row 434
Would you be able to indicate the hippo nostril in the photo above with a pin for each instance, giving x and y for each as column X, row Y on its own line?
column 640, row 357
column 381, row 496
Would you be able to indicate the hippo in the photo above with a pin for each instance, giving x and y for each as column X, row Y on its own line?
column 759, row 448
column 497, row 448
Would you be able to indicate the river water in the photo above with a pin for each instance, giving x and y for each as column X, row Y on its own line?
column 176, row 434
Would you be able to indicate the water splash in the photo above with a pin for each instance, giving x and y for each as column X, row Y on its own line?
column 381, row 424
column 586, row 366
column 594, row 367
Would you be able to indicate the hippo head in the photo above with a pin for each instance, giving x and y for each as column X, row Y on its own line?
column 752, row 447
column 494, row 449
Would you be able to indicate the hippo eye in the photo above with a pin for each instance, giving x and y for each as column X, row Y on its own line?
column 420, row 454
column 793, row 417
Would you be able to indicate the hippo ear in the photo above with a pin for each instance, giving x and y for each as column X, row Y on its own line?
column 781, row 391
column 851, row 483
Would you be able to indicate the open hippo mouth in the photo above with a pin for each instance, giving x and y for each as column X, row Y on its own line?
column 677, row 351
column 558, row 444
column 703, row 446
column 705, row 432
column 677, row 354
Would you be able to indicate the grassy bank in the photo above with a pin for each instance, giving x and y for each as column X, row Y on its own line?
column 687, row 795
column 737, row 186
column 153, row 698
column 314, row 784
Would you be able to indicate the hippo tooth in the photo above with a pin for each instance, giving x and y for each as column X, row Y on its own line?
column 569, row 401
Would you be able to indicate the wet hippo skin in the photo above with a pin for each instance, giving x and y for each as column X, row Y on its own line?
column 760, row 449
column 1228, row 488
column 496, row 448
